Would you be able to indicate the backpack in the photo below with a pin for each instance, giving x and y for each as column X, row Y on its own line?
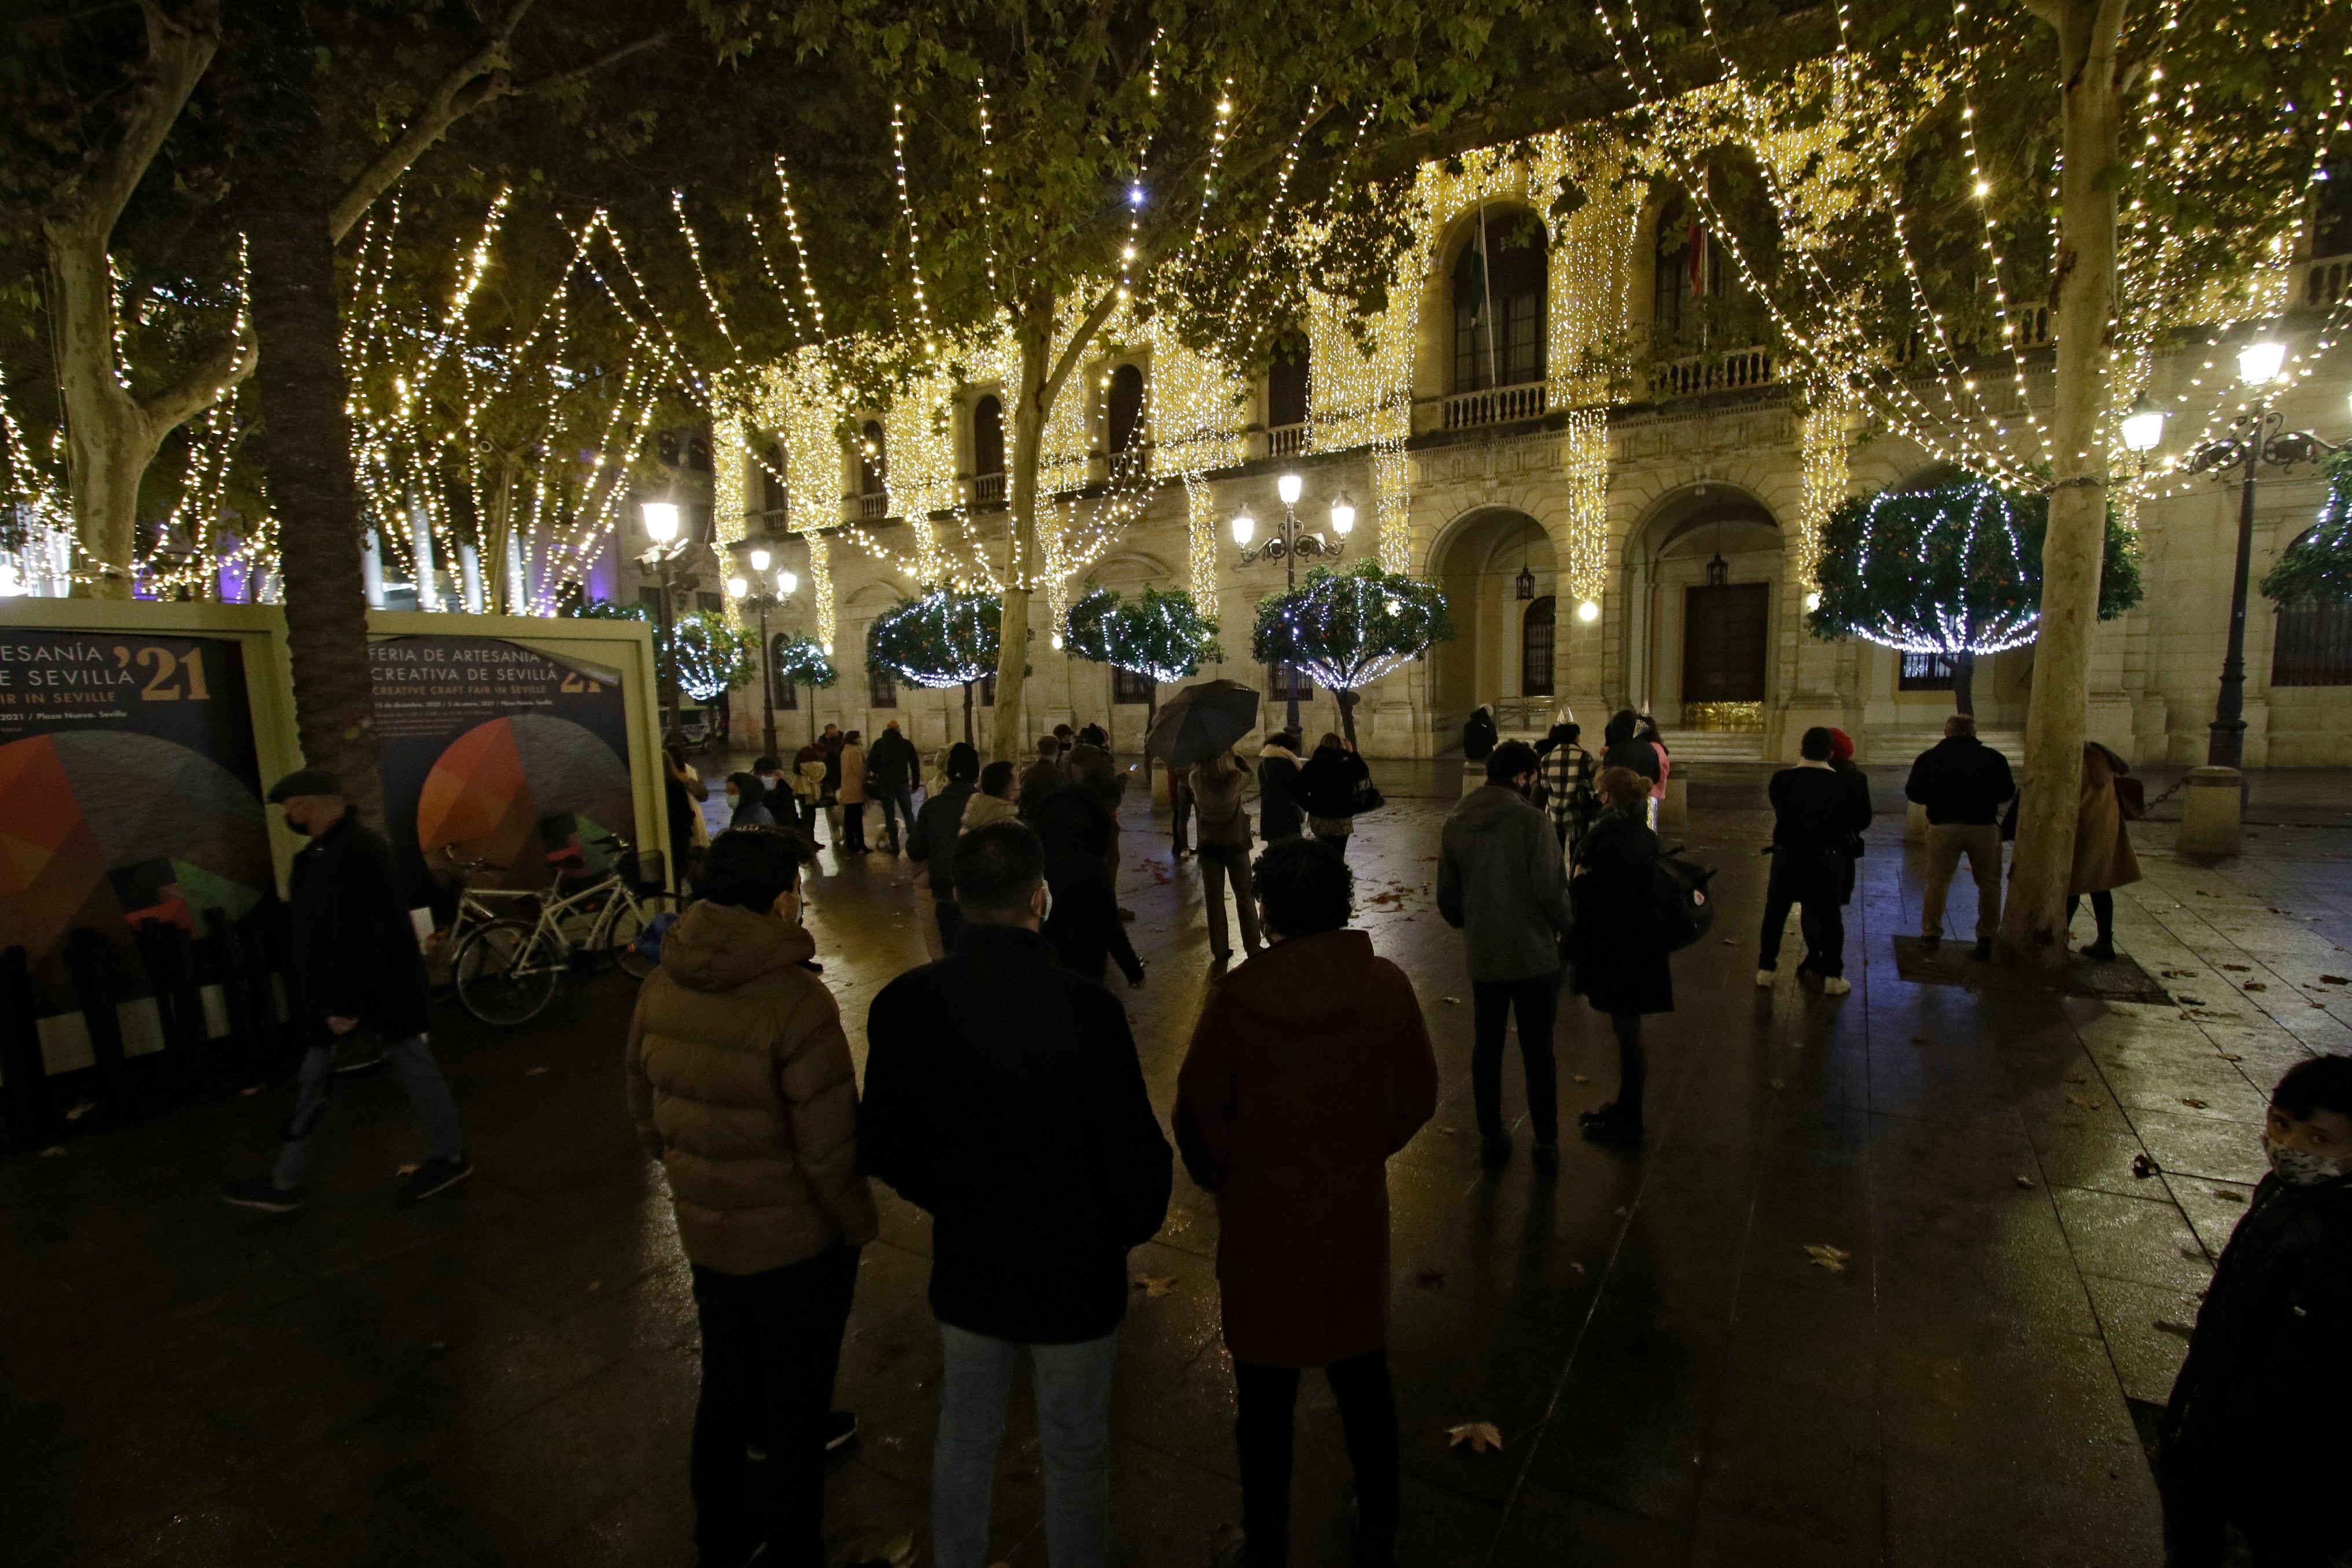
column 1678, row 891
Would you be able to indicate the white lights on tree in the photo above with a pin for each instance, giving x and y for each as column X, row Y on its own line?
column 2259, row 363
column 1346, row 629
column 1290, row 486
column 661, row 521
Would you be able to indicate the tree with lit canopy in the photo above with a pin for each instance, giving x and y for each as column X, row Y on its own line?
column 1952, row 568
column 2316, row 569
column 800, row 661
column 946, row 638
column 1161, row 636
column 1348, row 629
column 711, row 654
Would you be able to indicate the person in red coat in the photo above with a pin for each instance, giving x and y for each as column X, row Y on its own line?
column 1310, row 1066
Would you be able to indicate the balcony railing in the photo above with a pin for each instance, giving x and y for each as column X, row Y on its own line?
column 988, row 489
column 1286, row 440
column 1700, row 374
column 2329, row 281
column 1495, row 406
column 873, row 508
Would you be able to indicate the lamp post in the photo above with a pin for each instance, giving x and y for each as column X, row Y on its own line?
column 2260, row 436
column 1288, row 541
column 661, row 527
column 761, row 604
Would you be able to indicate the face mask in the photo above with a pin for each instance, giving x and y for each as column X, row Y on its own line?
column 732, row 797
column 2299, row 1167
column 294, row 827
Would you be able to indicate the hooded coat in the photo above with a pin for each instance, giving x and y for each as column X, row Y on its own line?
column 1310, row 1066
column 1622, row 965
column 1280, row 811
column 1328, row 782
column 1501, row 882
column 739, row 1083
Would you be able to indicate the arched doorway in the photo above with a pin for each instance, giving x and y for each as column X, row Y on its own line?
column 1704, row 574
column 1499, row 573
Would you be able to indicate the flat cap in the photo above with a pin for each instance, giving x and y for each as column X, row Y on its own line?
column 305, row 781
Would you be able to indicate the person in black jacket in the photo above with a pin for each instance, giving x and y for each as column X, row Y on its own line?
column 1004, row 1094
column 1622, row 746
column 355, row 966
column 2254, row 1434
column 1327, row 787
column 1281, row 813
column 1816, row 814
column 1085, row 928
column 1962, row 782
column 1622, row 960
column 933, row 843
column 891, row 767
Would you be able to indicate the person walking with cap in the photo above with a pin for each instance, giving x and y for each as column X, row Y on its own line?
column 354, row 966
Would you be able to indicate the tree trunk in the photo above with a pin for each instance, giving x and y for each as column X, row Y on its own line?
column 967, row 713
column 306, row 437
column 2034, row 921
column 1151, row 718
column 1035, row 333
column 1347, row 701
column 1964, row 684
column 499, row 595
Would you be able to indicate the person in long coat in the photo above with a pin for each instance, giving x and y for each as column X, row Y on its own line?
column 853, row 795
column 1622, row 965
column 2103, row 860
column 1310, row 1066
column 1327, row 787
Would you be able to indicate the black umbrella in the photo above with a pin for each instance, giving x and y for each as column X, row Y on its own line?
column 1200, row 722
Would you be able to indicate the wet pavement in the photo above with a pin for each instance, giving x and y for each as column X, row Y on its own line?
column 507, row 1377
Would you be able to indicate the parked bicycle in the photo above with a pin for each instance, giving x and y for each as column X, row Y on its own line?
column 507, row 969
column 473, row 912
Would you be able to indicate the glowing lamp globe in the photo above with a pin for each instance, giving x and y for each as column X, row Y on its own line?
column 1813, row 599
column 1056, row 640
column 1290, row 486
column 661, row 521
column 1343, row 516
column 1588, row 611
column 1245, row 527
column 760, row 560
column 787, row 584
column 738, row 587
column 2143, row 427
column 2259, row 363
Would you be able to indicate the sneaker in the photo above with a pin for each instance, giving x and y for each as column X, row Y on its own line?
column 1494, row 1153
column 1982, row 951
column 1615, row 1130
column 1546, row 1155
column 261, row 1193
column 434, row 1176
column 1835, row 986
column 1765, row 978
column 840, row 1430
column 1606, row 1113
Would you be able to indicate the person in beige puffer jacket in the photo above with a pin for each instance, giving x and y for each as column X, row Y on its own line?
column 740, row 1083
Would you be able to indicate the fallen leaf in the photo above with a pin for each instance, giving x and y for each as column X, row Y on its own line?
column 1578, row 1267
column 1624, row 1212
column 534, row 1073
column 54, row 1152
column 1451, row 1001
column 2165, row 1325
column 2192, row 1104
column 1484, row 1436
column 2084, row 1101
column 900, row 1553
column 249, row 1093
column 1581, row 1078
column 2229, row 1195
column 440, row 1344
column 2076, row 1078
column 1157, row 1284
column 1780, row 1084
column 2333, row 981
column 2186, row 1000
column 409, row 1170
column 2239, row 968
column 1833, row 1258
column 1429, row 1278
column 1451, row 1132
column 2025, row 1181
column 2256, row 985
column 2231, row 1056
column 2178, row 974
column 595, row 1286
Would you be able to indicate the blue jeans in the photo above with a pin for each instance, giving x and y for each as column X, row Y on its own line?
column 412, row 1066
column 898, row 813
column 1072, row 1383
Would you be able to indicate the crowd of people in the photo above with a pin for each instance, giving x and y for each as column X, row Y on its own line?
column 1002, row 1094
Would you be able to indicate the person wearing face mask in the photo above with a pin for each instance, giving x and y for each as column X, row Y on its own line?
column 1004, row 1095
column 747, row 803
column 740, row 1084
column 355, row 967
column 2254, row 1434
column 1502, row 883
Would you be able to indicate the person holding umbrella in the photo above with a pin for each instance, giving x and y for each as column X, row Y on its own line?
column 1216, row 788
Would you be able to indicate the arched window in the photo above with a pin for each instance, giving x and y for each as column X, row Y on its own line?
column 988, row 437
column 1534, row 648
column 1123, row 410
column 1285, row 388
column 2312, row 645
column 773, row 499
column 1498, row 304
column 873, row 472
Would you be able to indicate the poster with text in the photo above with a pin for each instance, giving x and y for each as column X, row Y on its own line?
column 130, row 789
column 498, row 755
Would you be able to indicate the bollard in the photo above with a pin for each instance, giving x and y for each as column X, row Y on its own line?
column 1473, row 776
column 1674, row 811
column 2210, row 811
column 30, row 1120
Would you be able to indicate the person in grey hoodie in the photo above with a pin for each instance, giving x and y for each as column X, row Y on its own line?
column 1501, row 881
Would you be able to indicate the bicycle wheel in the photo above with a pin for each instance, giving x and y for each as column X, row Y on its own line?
column 630, row 914
column 504, row 976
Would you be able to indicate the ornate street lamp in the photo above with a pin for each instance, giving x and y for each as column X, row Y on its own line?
column 2260, row 436
column 661, row 522
column 1289, row 541
column 785, row 585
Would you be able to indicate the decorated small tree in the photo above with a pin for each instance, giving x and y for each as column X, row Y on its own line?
column 800, row 661
column 2317, row 567
column 712, row 655
column 1953, row 569
column 1348, row 629
column 1161, row 636
column 942, row 639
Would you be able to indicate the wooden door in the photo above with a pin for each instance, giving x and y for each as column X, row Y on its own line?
column 1723, row 641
